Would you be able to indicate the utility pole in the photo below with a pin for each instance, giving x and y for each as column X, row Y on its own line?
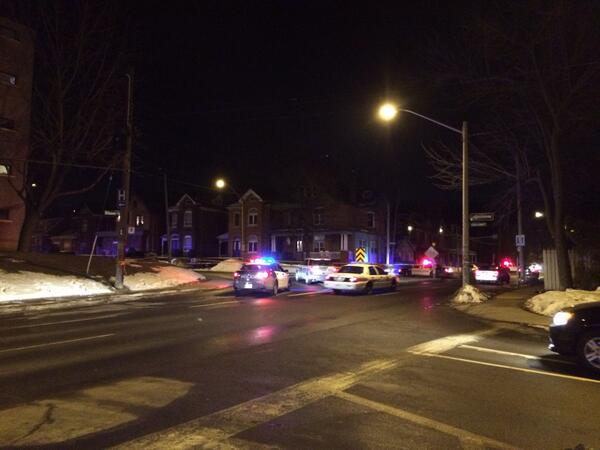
column 387, row 227
column 124, row 195
column 466, row 255
column 168, row 229
column 521, row 260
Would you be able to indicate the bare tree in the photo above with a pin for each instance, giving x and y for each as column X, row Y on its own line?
column 77, row 106
column 535, row 65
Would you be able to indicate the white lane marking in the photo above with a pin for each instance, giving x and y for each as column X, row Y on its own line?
column 101, row 336
column 322, row 291
column 522, row 355
column 46, row 324
column 464, row 436
column 518, row 369
column 215, row 430
column 447, row 343
column 208, row 305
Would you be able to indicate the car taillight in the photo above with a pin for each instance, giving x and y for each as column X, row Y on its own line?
column 355, row 279
column 236, row 275
column 262, row 275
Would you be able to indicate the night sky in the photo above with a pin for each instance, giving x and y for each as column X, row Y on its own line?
column 271, row 94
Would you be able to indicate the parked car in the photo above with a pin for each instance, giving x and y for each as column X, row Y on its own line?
column 576, row 331
column 359, row 277
column 420, row 270
column 490, row 273
column 260, row 276
column 315, row 270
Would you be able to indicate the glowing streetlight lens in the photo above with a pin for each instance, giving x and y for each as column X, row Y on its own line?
column 539, row 214
column 387, row 112
column 220, row 183
column 441, row 230
column 409, row 228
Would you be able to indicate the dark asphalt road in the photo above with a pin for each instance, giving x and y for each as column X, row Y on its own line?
column 306, row 369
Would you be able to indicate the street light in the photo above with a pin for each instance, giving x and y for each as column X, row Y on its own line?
column 441, row 230
column 221, row 184
column 539, row 214
column 387, row 112
column 409, row 228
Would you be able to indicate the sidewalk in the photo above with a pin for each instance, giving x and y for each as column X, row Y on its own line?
column 508, row 307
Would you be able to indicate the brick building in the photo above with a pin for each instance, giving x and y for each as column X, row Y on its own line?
column 315, row 226
column 16, row 69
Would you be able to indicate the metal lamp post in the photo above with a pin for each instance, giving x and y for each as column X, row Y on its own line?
column 388, row 112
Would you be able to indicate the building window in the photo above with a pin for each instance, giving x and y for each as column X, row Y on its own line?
column 8, row 33
column 362, row 243
column 4, row 214
column 236, row 219
column 187, row 244
column 299, row 245
column 7, row 78
column 253, row 217
column 252, row 244
column 174, row 220
column 319, row 243
column 371, row 219
column 317, row 218
column 7, row 124
column 139, row 220
column 5, row 169
column 175, row 243
column 187, row 218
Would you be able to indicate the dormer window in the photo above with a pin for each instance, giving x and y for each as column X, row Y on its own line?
column 317, row 217
column 187, row 218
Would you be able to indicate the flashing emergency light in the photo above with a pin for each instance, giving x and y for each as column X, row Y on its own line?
column 506, row 262
column 263, row 260
column 427, row 262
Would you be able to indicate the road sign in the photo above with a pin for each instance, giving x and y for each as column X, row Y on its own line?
column 431, row 253
column 478, row 224
column 520, row 240
column 482, row 217
column 131, row 230
column 121, row 198
column 111, row 212
column 360, row 254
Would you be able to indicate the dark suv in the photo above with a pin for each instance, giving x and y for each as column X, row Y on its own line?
column 576, row 331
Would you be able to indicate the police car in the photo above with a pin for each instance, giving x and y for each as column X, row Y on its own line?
column 360, row 277
column 261, row 275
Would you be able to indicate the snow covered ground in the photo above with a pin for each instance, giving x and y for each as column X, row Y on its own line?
column 45, row 276
column 469, row 294
column 551, row 302
column 161, row 277
column 228, row 265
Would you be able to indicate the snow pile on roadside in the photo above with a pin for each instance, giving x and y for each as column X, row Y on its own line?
column 228, row 265
column 26, row 285
column 162, row 277
column 469, row 294
column 549, row 303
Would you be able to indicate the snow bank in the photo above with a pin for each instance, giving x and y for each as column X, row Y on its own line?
column 161, row 277
column 228, row 265
column 469, row 294
column 26, row 285
column 551, row 302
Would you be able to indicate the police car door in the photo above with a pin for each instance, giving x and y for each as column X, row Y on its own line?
column 283, row 278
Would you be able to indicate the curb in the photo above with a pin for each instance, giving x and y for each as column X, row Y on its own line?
column 465, row 309
column 20, row 306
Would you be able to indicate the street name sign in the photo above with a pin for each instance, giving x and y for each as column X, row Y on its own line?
column 520, row 240
column 482, row 217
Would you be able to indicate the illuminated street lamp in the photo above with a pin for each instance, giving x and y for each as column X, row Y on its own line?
column 221, row 184
column 387, row 112
column 441, row 230
column 539, row 214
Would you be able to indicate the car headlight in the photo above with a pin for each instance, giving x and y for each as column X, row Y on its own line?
column 561, row 318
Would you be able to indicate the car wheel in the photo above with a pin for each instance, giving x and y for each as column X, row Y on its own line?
column 337, row 291
column 394, row 285
column 275, row 289
column 588, row 350
column 368, row 288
